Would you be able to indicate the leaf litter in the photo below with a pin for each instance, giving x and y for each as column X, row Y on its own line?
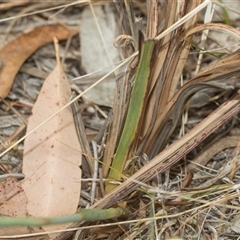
column 52, row 154
column 14, row 203
column 11, row 60
column 169, row 180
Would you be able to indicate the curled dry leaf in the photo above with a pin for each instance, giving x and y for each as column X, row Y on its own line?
column 52, row 154
column 16, row 52
column 216, row 27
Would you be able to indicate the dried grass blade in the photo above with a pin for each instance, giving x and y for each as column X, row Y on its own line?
column 131, row 17
column 152, row 22
column 155, row 84
column 174, row 64
column 217, row 27
column 116, row 120
column 223, row 69
column 174, row 152
column 169, row 63
column 82, row 137
column 209, row 151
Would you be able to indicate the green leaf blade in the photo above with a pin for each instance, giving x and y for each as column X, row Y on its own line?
column 134, row 113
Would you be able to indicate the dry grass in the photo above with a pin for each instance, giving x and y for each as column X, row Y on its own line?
column 182, row 176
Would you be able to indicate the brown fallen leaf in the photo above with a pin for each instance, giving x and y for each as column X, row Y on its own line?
column 13, row 203
column 52, row 154
column 16, row 52
column 12, row 198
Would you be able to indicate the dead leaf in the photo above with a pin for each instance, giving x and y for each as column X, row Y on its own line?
column 52, row 154
column 97, row 55
column 12, row 197
column 14, row 204
column 16, row 52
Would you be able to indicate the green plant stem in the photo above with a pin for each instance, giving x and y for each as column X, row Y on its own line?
column 82, row 215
